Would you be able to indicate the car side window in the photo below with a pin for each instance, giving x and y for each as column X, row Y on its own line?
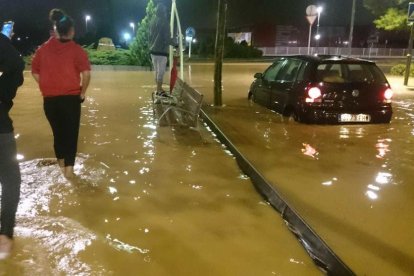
column 272, row 72
column 290, row 70
column 302, row 72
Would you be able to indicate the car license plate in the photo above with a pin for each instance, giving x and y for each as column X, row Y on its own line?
column 354, row 118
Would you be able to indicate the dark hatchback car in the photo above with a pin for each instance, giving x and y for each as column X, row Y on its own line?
column 324, row 89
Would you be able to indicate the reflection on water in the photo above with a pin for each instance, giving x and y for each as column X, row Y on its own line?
column 309, row 151
column 363, row 204
column 383, row 147
column 147, row 200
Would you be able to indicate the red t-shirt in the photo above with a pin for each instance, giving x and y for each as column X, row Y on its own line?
column 59, row 65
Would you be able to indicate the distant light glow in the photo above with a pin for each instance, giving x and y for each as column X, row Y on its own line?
column 127, row 36
column 20, row 157
column 88, row 17
column 319, row 9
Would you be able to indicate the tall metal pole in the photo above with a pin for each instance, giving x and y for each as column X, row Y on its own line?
column 219, row 51
column 310, row 38
column 174, row 17
column 317, row 31
column 351, row 30
column 409, row 56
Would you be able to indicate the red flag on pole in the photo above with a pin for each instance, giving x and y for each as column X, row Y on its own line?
column 174, row 74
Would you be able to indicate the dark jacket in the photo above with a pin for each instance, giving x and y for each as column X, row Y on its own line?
column 159, row 36
column 12, row 66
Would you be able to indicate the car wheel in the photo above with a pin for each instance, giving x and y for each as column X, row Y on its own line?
column 250, row 95
column 296, row 116
column 290, row 112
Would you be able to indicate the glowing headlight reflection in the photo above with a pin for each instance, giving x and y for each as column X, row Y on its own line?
column 372, row 195
column 20, row 157
column 373, row 187
column 383, row 178
column 113, row 190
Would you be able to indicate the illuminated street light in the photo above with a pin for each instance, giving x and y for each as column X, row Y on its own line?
column 87, row 18
column 132, row 25
column 127, row 37
column 318, row 36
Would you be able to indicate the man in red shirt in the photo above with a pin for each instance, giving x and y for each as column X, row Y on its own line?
column 62, row 69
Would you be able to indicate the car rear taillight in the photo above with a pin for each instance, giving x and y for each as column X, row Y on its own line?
column 314, row 95
column 388, row 95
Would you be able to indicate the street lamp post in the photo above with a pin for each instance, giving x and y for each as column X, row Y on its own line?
column 318, row 36
column 219, row 51
column 87, row 18
column 351, row 29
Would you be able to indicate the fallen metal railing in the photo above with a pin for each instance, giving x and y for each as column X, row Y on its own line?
column 319, row 251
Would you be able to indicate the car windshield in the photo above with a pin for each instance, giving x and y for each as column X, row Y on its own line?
column 349, row 73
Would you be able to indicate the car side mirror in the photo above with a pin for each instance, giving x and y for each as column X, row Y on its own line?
column 258, row 75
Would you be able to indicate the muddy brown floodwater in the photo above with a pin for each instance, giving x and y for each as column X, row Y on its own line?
column 147, row 200
column 353, row 183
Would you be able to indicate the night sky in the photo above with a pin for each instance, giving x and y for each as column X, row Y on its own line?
column 31, row 15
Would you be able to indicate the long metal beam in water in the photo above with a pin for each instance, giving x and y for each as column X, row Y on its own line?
column 319, row 251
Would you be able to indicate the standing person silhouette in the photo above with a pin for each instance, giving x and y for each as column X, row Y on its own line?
column 159, row 42
column 11, row 77
column 62, row 70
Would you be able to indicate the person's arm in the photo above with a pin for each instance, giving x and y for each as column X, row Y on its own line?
column 9, row 58
column 86, row 78
column 36, row 66
column 36, row 77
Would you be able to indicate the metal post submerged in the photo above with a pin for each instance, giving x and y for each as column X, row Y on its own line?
column 409, row 56
column 219, row 51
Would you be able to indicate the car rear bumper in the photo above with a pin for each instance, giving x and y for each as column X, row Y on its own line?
column 326, row 116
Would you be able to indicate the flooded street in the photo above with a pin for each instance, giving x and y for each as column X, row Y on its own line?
column 352, row 183
column 154, row 201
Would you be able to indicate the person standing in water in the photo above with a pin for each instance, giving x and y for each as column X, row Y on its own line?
column 62, row 70
column 159, row 42
column 11, row 77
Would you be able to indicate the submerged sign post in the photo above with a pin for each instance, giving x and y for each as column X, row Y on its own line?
column 410, row 20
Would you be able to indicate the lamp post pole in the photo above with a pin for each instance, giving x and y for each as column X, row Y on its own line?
column 409, row 56
column 132, row 25
column 220, row 37
column 319, row 10
column 351, row 31
column 87, row 18
column 311, row 14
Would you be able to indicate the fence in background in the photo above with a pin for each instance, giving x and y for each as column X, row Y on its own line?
column 358, row 52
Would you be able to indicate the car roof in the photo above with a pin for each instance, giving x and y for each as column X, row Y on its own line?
column 329, row 59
